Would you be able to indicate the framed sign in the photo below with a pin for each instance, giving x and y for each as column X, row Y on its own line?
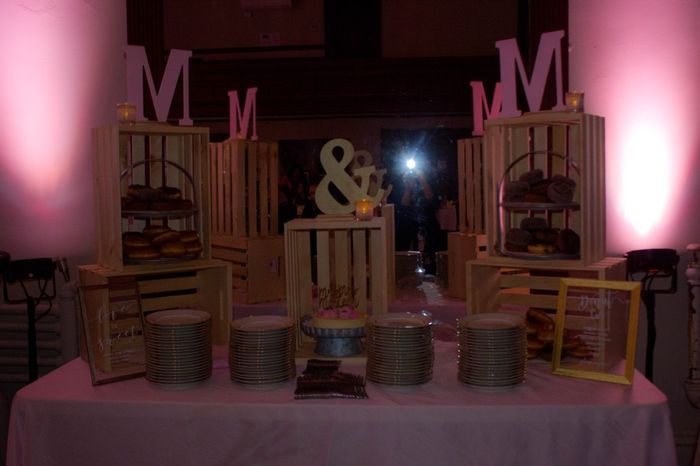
column 112, row 321
column 596, row 329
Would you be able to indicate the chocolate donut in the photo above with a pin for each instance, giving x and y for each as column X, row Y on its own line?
column 517, row 240
column 532, row 177
column 561, row 189
column 534, row 223
column 169, row 192
column 142, row 193
column 546, row 236
column 514, row 191
column 568, row 242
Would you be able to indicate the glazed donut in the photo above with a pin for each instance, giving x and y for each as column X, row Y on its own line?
column 545, row 332
column 133, row 240
column 142, row 253
column 541, row 317
column 193, row 247
column 173, row 249
column 534, row 343
column 541, row 248
column 580, row 351
column 188, row 236
column 571, row 342
column 166, row 237
column 154, row 230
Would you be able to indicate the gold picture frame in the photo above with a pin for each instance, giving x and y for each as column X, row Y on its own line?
column 113, row 331
column 596, row 329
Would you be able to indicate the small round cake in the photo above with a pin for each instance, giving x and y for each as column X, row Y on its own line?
column 340, row 318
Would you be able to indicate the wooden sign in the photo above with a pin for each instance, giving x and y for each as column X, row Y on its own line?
column 369, row 178
column 113, row 331
column 596, row 329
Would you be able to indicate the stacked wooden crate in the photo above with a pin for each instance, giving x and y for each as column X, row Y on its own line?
column 554, row 142
column 244, row 222
column 470, row 241
column 155, row 155
column 349, row 253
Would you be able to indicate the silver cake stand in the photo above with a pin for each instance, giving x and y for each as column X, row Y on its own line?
column 334, row 341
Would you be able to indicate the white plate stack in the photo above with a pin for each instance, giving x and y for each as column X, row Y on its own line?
column 178, row 347
column 399, row 349
column 262, row 350
column 492, row 349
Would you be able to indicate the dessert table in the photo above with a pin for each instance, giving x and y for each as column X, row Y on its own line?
column 61, row 419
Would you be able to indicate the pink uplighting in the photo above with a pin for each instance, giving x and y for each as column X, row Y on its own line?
column 52, row 60
column 646, row 86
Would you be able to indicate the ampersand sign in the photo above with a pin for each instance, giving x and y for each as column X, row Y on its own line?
column 343, row 181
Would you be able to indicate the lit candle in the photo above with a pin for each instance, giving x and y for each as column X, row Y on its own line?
column 126, row 112
column 364, row 209
column 574, row 101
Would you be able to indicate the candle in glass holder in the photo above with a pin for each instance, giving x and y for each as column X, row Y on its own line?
column 364, row 209
column 126, row 112
column 574, row 101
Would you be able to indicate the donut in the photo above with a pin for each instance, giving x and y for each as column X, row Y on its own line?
column 166, row 237
column 532, row 177
column 535, row 198
column 561, row 189
column 133, row 240
column 534, row 343
column 142, row 193
column 580, row 351
column 532, row 353
column 135, row 204
column 513, row 191
column 188, row 236
column 547, row 236
column 193, row 247
column 154, row 230
column 142, row 253
column 545, row 332
column 568, row 242
column 541, row 248
column 183, row 204
column 517, row 239
column 541, row 317
column 168, row 192
column 173, row 249
column 571, row 342
column 530, row 328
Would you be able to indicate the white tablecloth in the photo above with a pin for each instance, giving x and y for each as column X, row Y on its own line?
column 549, row 420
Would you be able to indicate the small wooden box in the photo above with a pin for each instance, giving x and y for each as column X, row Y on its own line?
column 257, row 266
column 244, row 178
column 470, row 179
column 494, row 282
column 154, row 155
column 348, row 253
column 197, row 284
column 462, row 247
column 580, row 139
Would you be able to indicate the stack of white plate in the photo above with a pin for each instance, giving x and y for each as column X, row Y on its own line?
column 399, row 349
column 178, row 347
column 262, row 350
column 492, row 349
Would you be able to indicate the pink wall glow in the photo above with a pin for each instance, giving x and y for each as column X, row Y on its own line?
column 60, row 75
column 639, row 65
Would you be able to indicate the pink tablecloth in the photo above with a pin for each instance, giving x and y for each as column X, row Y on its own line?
column 62, row 420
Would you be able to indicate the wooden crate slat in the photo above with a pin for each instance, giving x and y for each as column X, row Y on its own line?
column 342, row 254
column 359, row 262
column 470, row 179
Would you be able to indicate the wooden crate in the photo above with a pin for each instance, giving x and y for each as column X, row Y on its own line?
column 349, row 253
column 579, row 137
column 496, row 282
column 257, row 266
column 387, row 212
column 197, row 284
column 462, row 247
column 470, row 183
column 152, row 154
column 243, row 194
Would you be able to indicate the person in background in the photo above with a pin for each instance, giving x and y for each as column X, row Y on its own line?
column 415, row 204
column 291, row 192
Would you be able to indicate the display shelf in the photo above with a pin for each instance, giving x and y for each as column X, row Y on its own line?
column 573, row 145
column 196, row 284
column 150, row 155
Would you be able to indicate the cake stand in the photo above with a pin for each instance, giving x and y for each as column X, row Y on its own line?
column 335, row 342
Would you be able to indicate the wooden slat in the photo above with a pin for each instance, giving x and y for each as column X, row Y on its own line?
column 252, row 191
column 238, row 157
column 359, row 264
column 263, row 188
column 342, row 258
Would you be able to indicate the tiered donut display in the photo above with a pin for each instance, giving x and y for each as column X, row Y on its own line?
column 526, row 204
